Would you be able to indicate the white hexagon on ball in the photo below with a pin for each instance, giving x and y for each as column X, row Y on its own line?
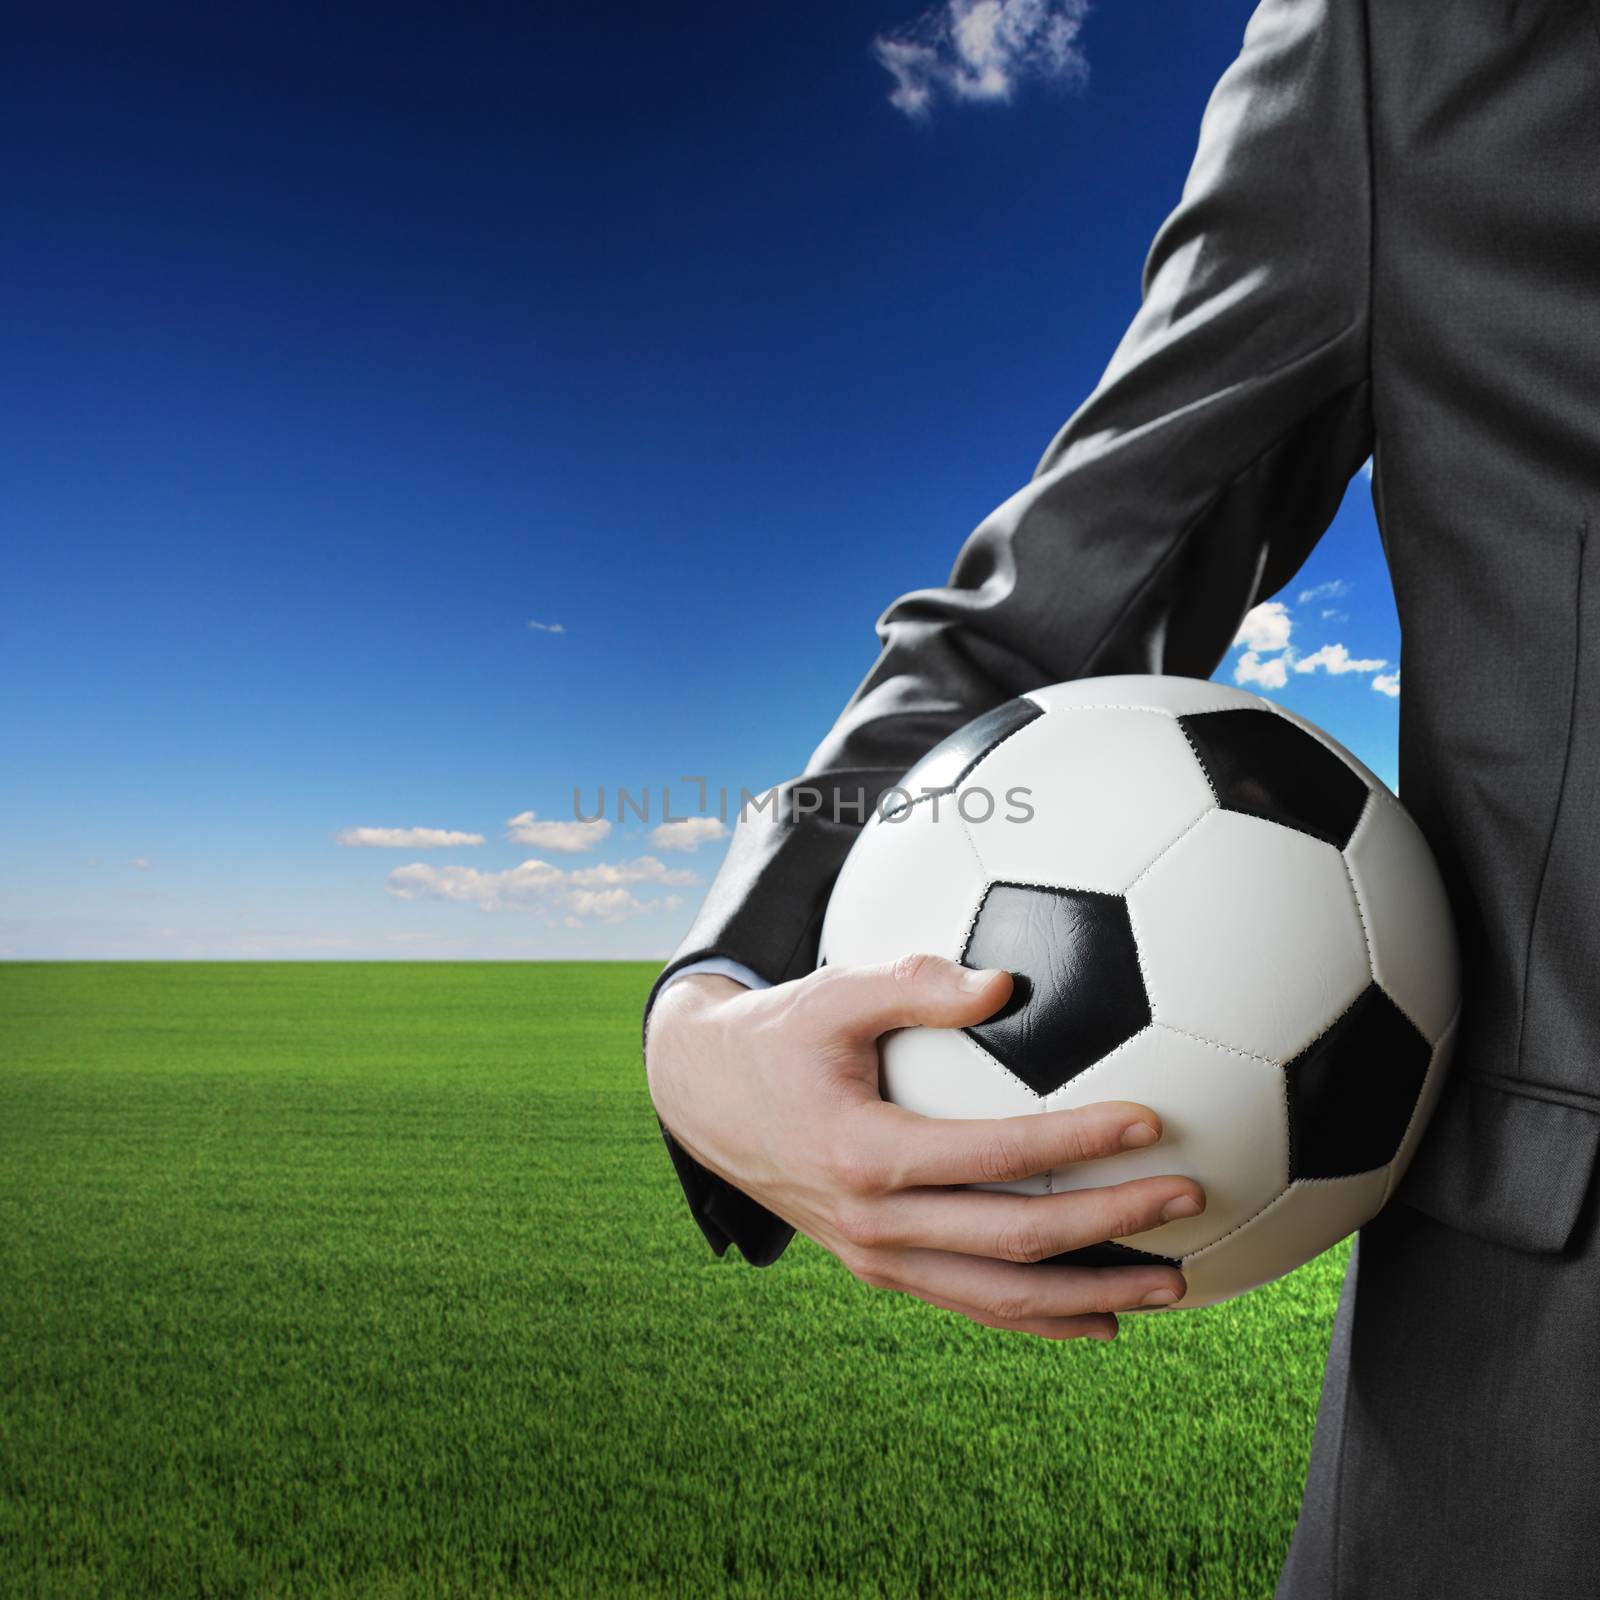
column 1250, row 935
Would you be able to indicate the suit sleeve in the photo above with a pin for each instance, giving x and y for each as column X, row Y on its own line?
column 1188, row 486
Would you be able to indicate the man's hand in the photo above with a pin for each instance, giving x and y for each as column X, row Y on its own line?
column 776, row 1090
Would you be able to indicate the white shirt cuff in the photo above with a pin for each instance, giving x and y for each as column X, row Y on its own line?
column 724, row 968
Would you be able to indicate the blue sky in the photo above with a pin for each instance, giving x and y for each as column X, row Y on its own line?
column 343, row 345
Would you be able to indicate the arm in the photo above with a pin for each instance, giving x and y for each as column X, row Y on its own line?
column 1190, row 484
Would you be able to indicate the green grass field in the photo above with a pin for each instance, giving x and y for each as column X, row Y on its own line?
column 336, row 1279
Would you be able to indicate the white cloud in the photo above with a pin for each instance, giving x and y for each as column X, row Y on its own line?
column 494, row 891
column 590, row 894
column 1336, row 659
column 142, row 863
column 547, row 627
column 569, row 838
column 689, row 833
column 1250, row 668
column 405, row 838
column 1334, row 589
column 1388, row 683
column 1265, row 627
column 981, row 50
column 642, row 869
column 601, row 905
column 612, row 905
column 1332, row 615
column 1366, row 467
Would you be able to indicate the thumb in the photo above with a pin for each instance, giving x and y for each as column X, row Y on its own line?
column 916, row 989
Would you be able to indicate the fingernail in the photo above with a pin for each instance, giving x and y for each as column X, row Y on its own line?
column 1139, row 1134
column 1180, row 1205
column 1104, row 1338
column 1160, row 1297
column 975, row 978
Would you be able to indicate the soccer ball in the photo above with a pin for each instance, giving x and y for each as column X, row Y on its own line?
column 1210, row 907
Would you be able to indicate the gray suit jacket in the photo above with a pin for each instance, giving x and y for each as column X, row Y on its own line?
column 1389, row 243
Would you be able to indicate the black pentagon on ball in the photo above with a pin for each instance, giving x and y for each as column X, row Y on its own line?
column 1353, row 1089
column 1078, row 991
column 949, row 761
column 1108, row 1253
column 1263, row 765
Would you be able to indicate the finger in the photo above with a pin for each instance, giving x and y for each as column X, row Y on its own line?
column 1013, row 1294
column 860, row 1003
column 1089, row 1327
column 1025, row 1228
column 915, row 1150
